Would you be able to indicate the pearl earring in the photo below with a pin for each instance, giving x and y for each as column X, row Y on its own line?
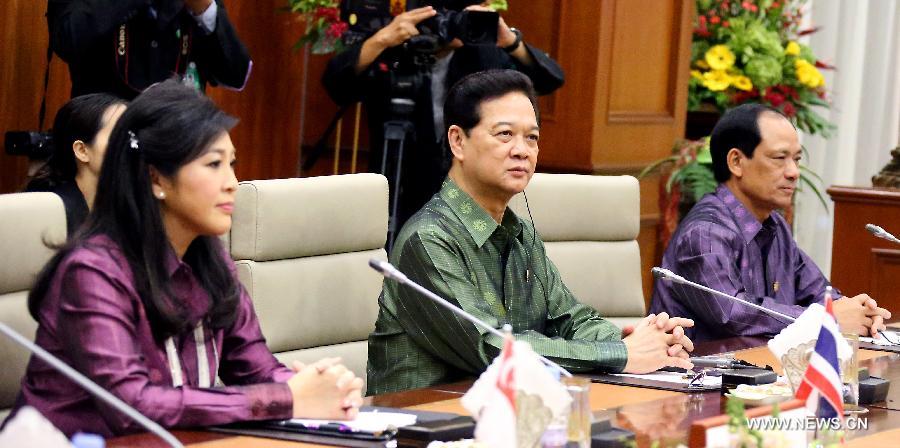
column 161, row 195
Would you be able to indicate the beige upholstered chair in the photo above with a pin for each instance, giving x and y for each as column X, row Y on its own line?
column 590, row 225
column 302, row 248
column 27, row 220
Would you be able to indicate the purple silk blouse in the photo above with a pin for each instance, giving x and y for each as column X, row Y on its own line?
column 93, row 319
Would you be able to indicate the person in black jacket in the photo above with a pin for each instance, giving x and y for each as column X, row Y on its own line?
column 358, row 74
column 123, row 46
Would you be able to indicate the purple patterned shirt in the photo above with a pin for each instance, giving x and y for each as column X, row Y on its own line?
column 93, row 319
column 721, row 244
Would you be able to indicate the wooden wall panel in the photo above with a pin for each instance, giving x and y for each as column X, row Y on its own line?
column 885, row 278
column 23, row 46
column 642, row 83
column 861, row 263
column 643, row 63
column 267, row 139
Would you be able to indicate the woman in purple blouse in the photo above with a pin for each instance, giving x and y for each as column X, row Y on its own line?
column 145, row 300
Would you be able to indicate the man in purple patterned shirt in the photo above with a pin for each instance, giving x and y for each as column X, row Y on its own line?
column 732, row 240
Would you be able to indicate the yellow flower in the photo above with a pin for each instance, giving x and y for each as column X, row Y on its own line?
column 792, row 49
column 742, row 82
column 702, row 64
column 696, row 74
column 719, row 57
column 716, row 80
column 808, row 74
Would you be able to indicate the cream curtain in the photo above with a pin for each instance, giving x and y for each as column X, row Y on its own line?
column 861, row 38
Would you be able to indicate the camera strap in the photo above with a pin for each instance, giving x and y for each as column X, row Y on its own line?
column 183, row 33
column 42, row 113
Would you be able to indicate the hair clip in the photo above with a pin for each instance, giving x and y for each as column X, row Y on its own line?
column 133, row 141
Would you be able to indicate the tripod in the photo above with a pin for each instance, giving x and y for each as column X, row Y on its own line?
column 396, row 133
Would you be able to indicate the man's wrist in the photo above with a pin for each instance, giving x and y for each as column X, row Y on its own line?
column 516, row 42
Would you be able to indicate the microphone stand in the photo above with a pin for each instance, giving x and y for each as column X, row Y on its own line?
column 92, row 387
column 389, row 271
column 666, row 274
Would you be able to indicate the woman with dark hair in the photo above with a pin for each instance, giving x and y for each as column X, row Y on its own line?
column 145, row 301
column 80, row 133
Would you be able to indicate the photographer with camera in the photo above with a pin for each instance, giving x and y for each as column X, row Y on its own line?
column 391, row 62
column 123, row 46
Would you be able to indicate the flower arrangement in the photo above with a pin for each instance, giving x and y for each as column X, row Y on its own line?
column 747, row 51
column 324, row 26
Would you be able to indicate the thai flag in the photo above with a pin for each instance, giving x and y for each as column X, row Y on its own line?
column 822, row 386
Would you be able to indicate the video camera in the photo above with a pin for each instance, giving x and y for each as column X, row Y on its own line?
column 366, row 17
column 33, row 144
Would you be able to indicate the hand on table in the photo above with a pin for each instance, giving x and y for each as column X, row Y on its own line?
column 658, row 341
column 325, row 390
column 860, row 315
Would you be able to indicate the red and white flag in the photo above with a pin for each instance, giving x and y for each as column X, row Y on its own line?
column 495, row 398
column 822, row 386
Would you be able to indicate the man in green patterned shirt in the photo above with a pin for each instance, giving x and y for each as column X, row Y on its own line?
column 469, row 248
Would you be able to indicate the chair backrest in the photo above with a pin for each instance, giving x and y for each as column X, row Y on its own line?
column 27, row 222
column 302, row 248
column 590, row 225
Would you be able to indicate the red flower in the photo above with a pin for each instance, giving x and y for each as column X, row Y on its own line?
column 702, row 20
column 789, row 110
column 337, row 29
column 742, row 97
column 725, row 24
column 772, row 97
column 329, row 14
column 754, row 8
column 715, row 20
column 789, row 91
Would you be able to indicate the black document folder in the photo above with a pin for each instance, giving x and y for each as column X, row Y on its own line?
column 429, row 426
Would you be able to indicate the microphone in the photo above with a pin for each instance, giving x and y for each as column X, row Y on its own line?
column 881, row 233
column 389, row 271
column 91, row 387
column 668, row 275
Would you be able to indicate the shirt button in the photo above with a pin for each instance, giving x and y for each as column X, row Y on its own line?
column 153, row 44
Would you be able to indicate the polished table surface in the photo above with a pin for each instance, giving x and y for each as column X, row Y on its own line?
column 653, row 415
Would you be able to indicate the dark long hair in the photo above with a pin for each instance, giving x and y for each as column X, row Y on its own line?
column 172, row 125
column 79, row 119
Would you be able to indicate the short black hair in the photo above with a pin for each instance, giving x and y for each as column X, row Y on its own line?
column 738, row 128
column 463, row 104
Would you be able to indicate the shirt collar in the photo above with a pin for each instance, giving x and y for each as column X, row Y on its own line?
column 749, row 225
column 172, row 263
column 476, row 219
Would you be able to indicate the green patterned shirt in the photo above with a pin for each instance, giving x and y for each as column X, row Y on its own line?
column 500, row 274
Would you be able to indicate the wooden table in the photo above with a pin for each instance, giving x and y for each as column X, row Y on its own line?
column 653, row 415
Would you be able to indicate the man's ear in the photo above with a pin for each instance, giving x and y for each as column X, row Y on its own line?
column 456, row 137
column 735, row 159
column 79, row 148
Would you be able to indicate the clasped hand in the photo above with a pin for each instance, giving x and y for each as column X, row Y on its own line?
column 658, row 341
column 325, row 390
column 860, row 315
